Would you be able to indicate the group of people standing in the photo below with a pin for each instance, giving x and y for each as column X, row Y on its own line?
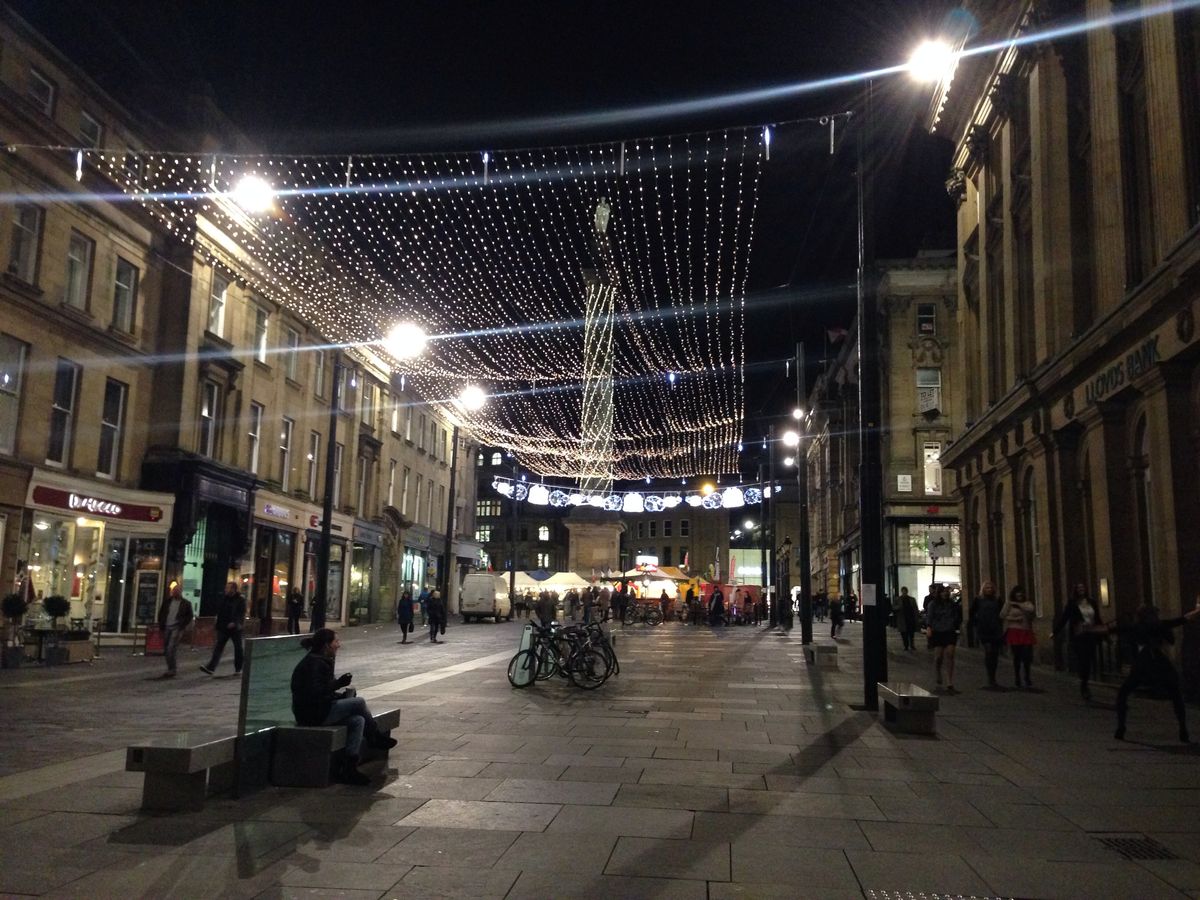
column 432, row 608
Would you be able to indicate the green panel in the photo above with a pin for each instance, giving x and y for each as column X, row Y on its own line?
column 267, row 682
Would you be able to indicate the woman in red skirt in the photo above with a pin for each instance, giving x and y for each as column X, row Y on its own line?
column 1018, row 614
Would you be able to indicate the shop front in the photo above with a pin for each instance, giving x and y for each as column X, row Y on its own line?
column 341, row 529
column 921, row 552
column 365, row 602
column 419, row 567
column 277, row 523
column 102, row 547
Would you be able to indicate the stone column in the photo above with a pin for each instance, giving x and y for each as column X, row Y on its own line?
column 1113, row 508
column 1166, row 136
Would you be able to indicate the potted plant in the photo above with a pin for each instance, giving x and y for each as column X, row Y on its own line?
column 14, row 606
column 55, row 605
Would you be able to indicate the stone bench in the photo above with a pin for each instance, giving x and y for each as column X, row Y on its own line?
column 182, row 769
column 821, row 656
column 303, row 756
column 908, row 708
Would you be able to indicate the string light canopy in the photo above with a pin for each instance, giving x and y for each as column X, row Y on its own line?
column 482, row 257
column 730, row 497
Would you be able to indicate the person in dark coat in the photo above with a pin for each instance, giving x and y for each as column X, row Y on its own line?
column 295, row 606
column 1080, row 620
column 943, row 622
column 174, row 618
column 404, row 615
column 1152, row 665
column 989, row 628
column 835, row 616
column 716, row 607
column 317, row 699
column 437, row 616
column 231, row 618
column 907, row 619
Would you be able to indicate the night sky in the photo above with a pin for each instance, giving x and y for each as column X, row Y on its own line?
column 401, row 76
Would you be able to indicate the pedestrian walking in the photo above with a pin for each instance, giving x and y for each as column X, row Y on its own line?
column 423, row 602
column 989, row 628
column 944, row 622
column 436, row 612
column 1152, row 665
column 231, row 619
column 404, row 615
column 906, row 619
column 320, row 699
column 716, row 607
column 835, row 616
column 664, row 603
column 1080, row 620
column 174, row 619
column 295, row 606
column 1018, row 614
column 547, row 608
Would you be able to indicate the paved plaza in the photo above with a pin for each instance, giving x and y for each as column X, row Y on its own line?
column 716, row 765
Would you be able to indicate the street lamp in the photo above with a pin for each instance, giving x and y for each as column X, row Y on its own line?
column 932, row 62
column 406, row 340
column 253, row 194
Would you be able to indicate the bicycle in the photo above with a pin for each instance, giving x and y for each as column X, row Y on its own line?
column 580, row 653
column 648, row 613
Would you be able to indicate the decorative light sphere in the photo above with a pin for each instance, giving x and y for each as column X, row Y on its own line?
column 472, row 398
column 406, row 340
column 797, row 413
column 791, row 439
column 789, row 461
column 748, row 524
column 707, row 489
column 932, row 62
column 253, row 194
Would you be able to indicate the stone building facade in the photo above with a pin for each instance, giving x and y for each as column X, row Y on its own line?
column 1078, row 181
column 159, row 418
column 922, row 400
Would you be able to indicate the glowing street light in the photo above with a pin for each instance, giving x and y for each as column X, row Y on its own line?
column 707, row 489
column 472, row 398
column 253, row 194
column 791, row 439
column 406, row 340
column 797, row 414
column 789, row 461
column 748, row 524
column 932, row 62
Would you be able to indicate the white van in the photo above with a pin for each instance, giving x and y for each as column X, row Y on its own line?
column 485, row 596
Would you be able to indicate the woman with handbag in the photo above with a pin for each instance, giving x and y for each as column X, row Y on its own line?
column 1018, row 615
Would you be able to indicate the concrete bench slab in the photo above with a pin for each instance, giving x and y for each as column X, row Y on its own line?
column 303, row 756
column 821, row 656
column 908, row 708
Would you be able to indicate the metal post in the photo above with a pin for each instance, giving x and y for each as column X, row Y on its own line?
column 762, row 541
column 512, row 534
column 320, row 601
column 450, row 559
column 870, row 505
column 806, row 631
column 775, row 619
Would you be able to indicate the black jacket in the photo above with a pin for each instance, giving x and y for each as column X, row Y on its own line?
column 313, row 689
column 231, row 609
column 985, row 617
column 1071, row 619
column 182, row 619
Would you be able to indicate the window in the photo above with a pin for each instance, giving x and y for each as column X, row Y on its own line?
column 641, row 530
column 441, row 504
column 285, row 453
column 543, row 532
column 483, row 533
column 338, row 450
column 543, row 560
column 417, row 499
column 342, row 387
column 255, row 435
column 368, row 402
column 391, row 483
column 1136, row 174
column 933, row 468
column 80, row 251
column 684, row 528
column 667, row 527
column 360, row 500
column 216, row 304
column 125, row 287
column 665, row 559
column 404, row 492
column 487, row 508
column 291, row 352
column 929, row 390
column 429, row 502
column 1187, row 60
column 62, row 412
column 496, row 459
column 42, row 91
column 653, row 528
column 408, row 417
column 421, row 433
column 314, row 455
column 319, row 373
column 395, row 413
column 26, row 234
column 210, row 398
column 445, row 446
column 261, row 319
column 926, row 319
column 12, row 371
column 112, row 419
column 479, row 459
column 91, row 134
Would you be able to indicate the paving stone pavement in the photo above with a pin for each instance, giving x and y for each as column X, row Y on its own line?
column 717, row 765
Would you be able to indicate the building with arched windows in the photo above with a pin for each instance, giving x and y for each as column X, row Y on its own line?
column 1077, row 174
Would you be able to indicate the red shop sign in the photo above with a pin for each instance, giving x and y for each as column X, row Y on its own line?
column 95, row 506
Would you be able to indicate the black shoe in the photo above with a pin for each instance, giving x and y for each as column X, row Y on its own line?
column 207, row 670
column 349, row 773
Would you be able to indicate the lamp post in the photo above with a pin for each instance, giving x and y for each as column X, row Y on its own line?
column 321, row 600
column 472, row 399
column 512, row 533
column 806, row 633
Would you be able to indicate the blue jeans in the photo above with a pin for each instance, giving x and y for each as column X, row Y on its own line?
column 351, row 712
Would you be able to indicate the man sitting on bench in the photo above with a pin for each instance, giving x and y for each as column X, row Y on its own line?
column 316, row 701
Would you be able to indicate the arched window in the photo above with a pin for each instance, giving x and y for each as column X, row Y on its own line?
column 479, row 458
column 543, row 532
column 496, row 458
column 996, row 534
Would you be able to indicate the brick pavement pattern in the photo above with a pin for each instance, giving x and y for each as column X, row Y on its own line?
column 717, row 765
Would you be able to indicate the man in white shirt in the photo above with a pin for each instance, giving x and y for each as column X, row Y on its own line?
column 174, row 618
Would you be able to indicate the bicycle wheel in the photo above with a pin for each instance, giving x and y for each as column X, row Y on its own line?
column 522, row 669
column 654, row 615
column 630, row 617
column 588, row 668
column 547, row 663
